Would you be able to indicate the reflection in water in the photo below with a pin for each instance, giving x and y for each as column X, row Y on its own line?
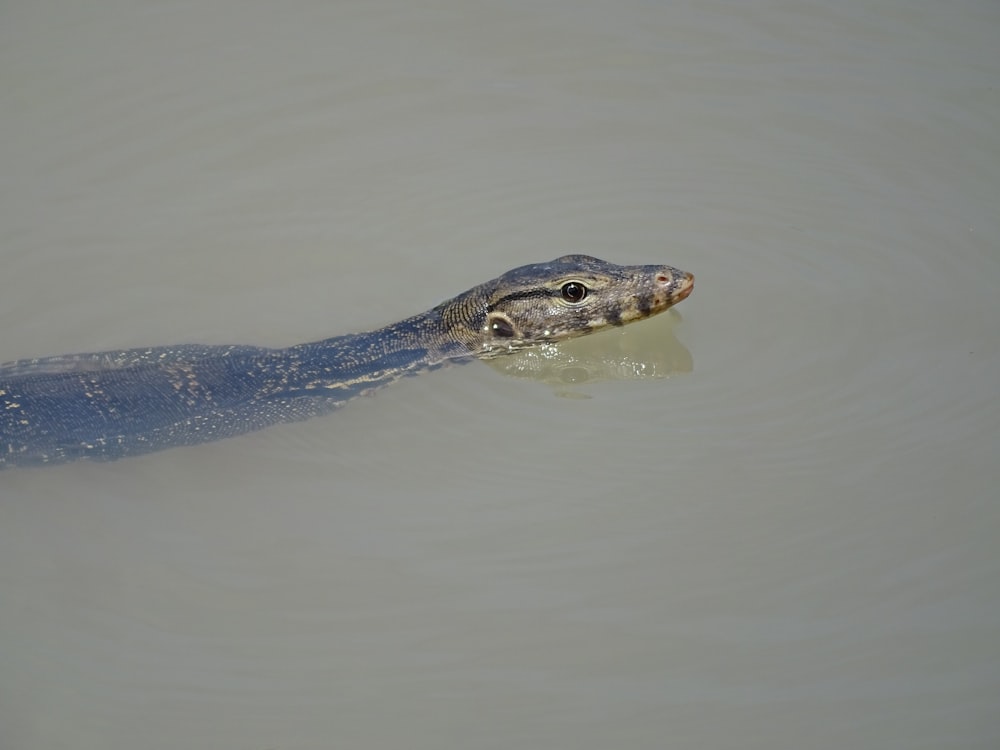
column 602, row 358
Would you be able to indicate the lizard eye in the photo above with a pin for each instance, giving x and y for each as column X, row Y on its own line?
column 574, row 291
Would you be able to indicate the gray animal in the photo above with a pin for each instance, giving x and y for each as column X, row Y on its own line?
column 109, row 405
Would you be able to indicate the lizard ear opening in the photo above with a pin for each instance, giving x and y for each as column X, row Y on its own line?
column 500, row 326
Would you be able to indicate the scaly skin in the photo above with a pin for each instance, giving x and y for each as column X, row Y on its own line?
column 109, row 405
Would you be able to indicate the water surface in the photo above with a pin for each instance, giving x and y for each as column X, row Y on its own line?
column 786, row 537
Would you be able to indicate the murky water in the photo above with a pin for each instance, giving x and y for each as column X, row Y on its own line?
column 777, row 530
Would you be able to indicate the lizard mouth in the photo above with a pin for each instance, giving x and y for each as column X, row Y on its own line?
column 685, row 287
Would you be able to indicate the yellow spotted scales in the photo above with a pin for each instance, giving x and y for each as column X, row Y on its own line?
column 109, row 405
